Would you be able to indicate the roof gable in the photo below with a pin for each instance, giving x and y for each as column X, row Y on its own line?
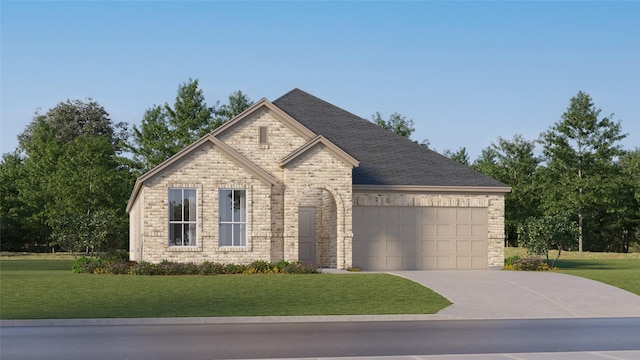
column 232, row 154
column 385, row 158
column 339, row 153
column 281, row 115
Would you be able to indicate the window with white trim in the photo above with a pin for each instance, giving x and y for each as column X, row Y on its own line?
column 232, row 216
column 182, row 217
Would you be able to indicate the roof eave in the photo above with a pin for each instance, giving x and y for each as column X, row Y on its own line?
column 432, row 188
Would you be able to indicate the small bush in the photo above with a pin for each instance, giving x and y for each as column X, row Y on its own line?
column 512, row 259
column 354, row 269
column 209, row 268
column 85, row 264
column 531, row 263
column 234, row 269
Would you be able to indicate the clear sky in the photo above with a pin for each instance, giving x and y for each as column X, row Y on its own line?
column 464, row 72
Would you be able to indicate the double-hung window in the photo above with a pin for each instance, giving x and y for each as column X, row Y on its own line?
column 232, row 207
column 182, row 217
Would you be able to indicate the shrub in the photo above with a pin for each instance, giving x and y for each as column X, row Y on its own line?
column 531, row 263
column 260, row 267
column 209, row 268
column 234, row 269
column 84, row 264
column 354, row 269
column 165, row 267
column 511, row 259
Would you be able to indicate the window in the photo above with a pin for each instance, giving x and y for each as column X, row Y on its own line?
column 262, row 136
column 182, row 217
column 232, row 206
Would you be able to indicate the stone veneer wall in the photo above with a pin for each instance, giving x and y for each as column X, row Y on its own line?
column 493, row 202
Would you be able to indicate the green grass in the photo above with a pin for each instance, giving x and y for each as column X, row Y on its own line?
column 616, row 269
column 621, row 273
column 47, row 289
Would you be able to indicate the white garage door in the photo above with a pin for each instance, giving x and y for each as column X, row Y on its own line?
column 409, row 238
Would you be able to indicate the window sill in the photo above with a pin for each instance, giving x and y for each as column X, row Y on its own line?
column 234, row 248
column 184, row 248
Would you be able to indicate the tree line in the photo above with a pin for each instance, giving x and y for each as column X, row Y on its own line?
column 67, row 183
column 580, row 192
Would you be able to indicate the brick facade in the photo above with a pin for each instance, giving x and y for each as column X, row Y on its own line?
column 316, row 178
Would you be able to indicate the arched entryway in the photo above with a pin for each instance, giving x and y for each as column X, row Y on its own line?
column 317, row 228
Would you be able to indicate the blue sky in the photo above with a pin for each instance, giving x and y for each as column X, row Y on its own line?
column 464, row 72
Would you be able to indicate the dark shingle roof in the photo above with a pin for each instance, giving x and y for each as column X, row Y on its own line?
column 385, row 158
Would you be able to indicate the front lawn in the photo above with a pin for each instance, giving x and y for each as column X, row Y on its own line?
column 621, row 273
column 47, row 289
column 616, row 269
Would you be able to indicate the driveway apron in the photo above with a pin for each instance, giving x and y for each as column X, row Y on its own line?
column 497, row 294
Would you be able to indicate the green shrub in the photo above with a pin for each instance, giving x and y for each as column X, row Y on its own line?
column 165, row 267
column 85, row 264
column 209, row 268
column 512, row 259
column 234, row 269
column 261, row 267
column 530, row 263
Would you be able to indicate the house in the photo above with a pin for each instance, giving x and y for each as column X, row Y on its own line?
column 301, row 179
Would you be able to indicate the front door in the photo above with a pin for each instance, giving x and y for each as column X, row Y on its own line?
column 307, row 235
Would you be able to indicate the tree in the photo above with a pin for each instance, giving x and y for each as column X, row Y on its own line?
column 237, row 103
column 397, row 124
column 15, row 232
column 513, row 163
column 541, row 234
column 460, row 156
column 579, row 152
column 165, row 130
column 74, row 174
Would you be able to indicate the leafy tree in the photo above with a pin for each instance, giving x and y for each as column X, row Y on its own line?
column 513, row 163
column 460, row 156
column 397, row 124
column 541, row 234
column 15, row 232
column 165, row 130
column 73, row 174
column 618, row 220
column 237, row 103
column 579, row 152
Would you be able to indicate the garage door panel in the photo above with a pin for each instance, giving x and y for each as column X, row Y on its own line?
column 463, row 215
column 478, row 246
column 394, row 238
column 443, row 230
column 463, row 246
column 394, row 247
column 463, row 262
column 428, row 247
column 428, row 214
column 478, row 231
column 479, row 215
column 428, row 231
column 443, row 246
column 478, row 262
column 463, row 230
column 394, row 230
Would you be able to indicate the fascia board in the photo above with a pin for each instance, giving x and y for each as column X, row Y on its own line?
column 427, row 188
column 341, row 154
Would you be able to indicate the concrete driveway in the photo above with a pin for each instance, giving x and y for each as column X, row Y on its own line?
column 497, row 294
